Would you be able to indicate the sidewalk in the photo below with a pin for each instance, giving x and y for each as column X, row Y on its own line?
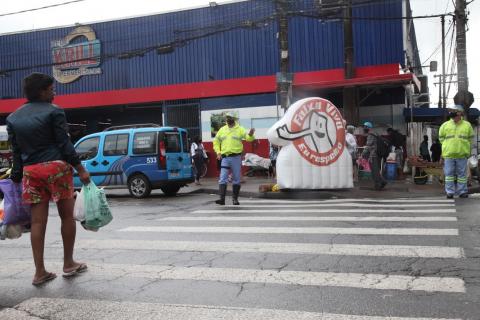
column 362, row 189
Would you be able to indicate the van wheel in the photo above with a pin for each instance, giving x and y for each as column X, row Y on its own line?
column 139, row 186
column 170, row 190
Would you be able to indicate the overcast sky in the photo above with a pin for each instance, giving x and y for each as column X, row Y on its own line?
column 428, row 30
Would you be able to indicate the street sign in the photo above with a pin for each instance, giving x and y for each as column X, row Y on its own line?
column 464, row 98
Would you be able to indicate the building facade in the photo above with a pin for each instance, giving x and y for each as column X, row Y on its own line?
column 186, row 68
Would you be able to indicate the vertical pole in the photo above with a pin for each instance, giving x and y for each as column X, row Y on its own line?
column 348, row 39
column 461, row 19
column 350, row 108
column 283, row 86
column 443, row 78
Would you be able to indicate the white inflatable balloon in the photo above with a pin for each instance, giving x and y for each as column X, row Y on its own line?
column 313, row 153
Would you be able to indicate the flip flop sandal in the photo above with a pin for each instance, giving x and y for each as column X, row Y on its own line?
column 81, row 268
column 48, row 277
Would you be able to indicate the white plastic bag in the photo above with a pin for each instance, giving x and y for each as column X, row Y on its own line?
column 78, row 209
column 392, row 157
column 472, row 162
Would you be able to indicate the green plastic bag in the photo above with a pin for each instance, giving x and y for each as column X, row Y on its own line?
column 97, row 212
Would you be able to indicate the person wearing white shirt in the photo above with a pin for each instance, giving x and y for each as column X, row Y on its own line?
column 199, row 156
column 351, row 142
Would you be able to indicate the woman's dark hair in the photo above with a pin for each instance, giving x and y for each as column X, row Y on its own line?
column 197, row 140
column 34, row 84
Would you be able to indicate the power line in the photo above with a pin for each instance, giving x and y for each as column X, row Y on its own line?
column 167, row 47
column 317, row 16
column 438, row 47
column 40, row 8
column 451, row 61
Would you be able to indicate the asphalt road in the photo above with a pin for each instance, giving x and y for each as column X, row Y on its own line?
column 186, row 258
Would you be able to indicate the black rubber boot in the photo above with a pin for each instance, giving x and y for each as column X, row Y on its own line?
column 236, row 192
column 222, row 188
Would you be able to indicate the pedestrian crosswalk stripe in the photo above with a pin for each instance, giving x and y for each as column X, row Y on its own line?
column 265, row 276
column 294, row 230
column 400, row 201
column 358, row 205
column 113, row 310
column 327, row 211
column 272, row 247
column 336, row 218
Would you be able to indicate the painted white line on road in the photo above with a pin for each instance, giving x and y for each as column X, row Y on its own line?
column 293, row 210
column 336, row 218
column 358, row 205
column 401, row 201
column 265, row 276
column 73, row 309
column 271, row 230
column 272, row 247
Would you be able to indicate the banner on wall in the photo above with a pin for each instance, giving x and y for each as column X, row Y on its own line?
column 313, row 154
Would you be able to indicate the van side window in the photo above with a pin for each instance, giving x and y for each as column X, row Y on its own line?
column 115, row 145
column 172, row 142
column 87, row 149
column 145, row 143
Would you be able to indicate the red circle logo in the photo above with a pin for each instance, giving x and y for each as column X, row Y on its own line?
column 320, row 130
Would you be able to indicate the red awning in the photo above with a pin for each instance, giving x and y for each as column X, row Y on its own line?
column 365, row 76
column 334, row 78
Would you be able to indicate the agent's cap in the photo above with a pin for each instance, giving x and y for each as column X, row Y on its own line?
column 368, row 124
column 457, row 107
column 230, row 114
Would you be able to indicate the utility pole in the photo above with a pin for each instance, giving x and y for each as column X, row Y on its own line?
column 463, row 96
column 443, row 78
column 283, row 77
column 350, row 108
column 461, row 19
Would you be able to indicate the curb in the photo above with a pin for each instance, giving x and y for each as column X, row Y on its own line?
column 355, row 193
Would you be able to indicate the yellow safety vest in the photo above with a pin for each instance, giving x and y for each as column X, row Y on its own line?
column 229, row 140
column 456, row 139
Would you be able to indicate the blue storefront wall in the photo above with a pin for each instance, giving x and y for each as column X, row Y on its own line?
column 237, row 53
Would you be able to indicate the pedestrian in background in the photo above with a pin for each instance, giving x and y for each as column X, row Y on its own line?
column 456, row 135
column 436, row 150
column 424, row 153
column 397, row 140
column 273, row 154
column 44, row 155
column 229, row 147
column 199, row 157
column 351, row 143
column 370, row 153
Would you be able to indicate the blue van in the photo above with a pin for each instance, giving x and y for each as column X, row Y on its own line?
column 142, row 157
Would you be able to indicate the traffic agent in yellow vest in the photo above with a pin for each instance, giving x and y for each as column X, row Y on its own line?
column 456, row 138
column 228, row 146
